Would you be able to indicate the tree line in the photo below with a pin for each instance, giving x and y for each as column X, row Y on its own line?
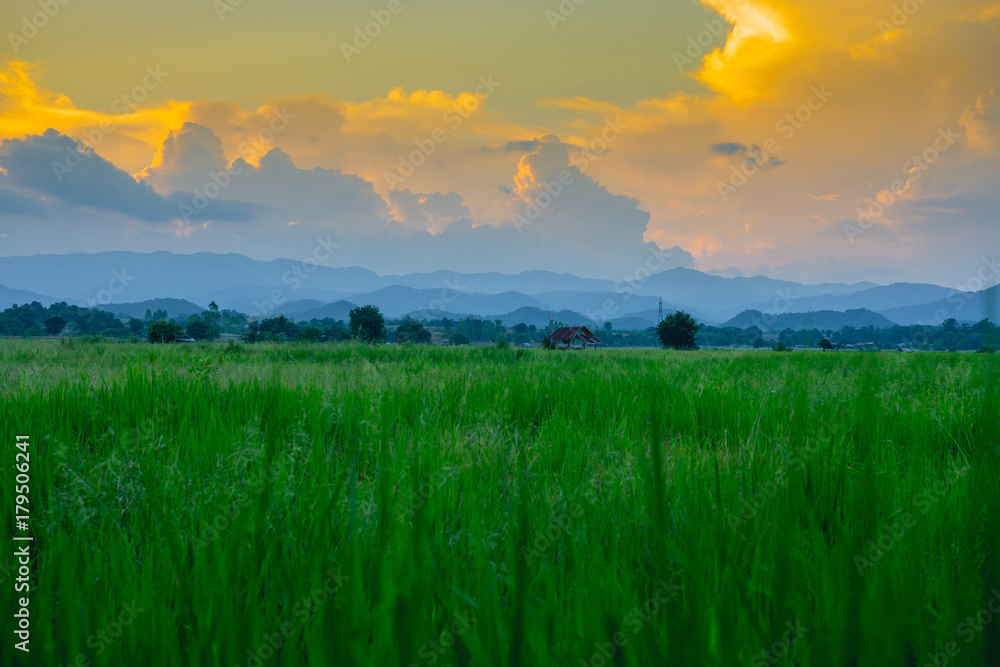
column 367, row 323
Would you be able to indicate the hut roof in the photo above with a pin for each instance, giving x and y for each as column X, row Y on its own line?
column 570, row 334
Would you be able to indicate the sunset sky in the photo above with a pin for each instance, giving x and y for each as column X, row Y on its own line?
column 746, row 136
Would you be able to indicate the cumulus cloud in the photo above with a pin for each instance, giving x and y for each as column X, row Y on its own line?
column 54, row 164
column 982, row 122
column 187, row 157
column 325, row 197
column 16, row 203
column 431, row 212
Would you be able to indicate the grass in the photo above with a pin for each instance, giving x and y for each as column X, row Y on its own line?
column 318, row 504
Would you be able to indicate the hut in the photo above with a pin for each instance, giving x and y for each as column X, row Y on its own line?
column 573, row 338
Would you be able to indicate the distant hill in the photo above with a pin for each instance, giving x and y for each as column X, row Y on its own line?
column 293, row 308
column 630, row 323
column 339, row 310
column 651, row 316
column 823, row 320
column 397, row 301
column 963, row 306
column 174, row 307
column 243, row 284
column 10, row 297
column 528, row 282
column 540, row 317
column 719, row 298
column 528, row 315
column 876, row 298
column 607, row 304
column 200, row 276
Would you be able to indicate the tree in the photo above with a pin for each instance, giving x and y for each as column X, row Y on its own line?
column 310, row 333
column 54, row 325
column 459, row 339
column 213, row 320
column 198, row 330
column 758, row 343
column 367, row 324
column 825, row 344
column 678, row 331
column 136, row 326
column 162, row 331
column 412, row 331
column 252, row 335
column 277, row 327
column 336, row 330
column 780, row 347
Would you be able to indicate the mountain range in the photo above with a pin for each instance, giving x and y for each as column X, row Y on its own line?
column 127, row 283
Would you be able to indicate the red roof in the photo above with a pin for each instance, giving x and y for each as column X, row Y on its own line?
column 570, row 334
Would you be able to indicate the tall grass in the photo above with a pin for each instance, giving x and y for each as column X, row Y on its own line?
column 407, row 505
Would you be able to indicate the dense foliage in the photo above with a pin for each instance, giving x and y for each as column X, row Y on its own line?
column 367, row 324
column 30, row 320
column 678, row 331
column 412, row 331
column 36, row 320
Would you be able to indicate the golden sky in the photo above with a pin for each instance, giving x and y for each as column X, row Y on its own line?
column 769, row 137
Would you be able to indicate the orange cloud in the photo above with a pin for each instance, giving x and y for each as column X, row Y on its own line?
column 127, row 139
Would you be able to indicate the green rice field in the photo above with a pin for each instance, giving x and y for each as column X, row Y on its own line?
column 320, row 504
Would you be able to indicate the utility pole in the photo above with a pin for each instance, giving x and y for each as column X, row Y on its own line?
column 660, row 317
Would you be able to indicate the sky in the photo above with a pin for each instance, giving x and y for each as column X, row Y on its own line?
column 813, row 141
